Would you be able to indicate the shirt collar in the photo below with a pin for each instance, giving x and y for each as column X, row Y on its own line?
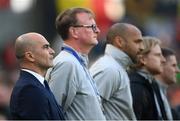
column 84, row 57
column 146, row 75
column 121, row 57
column 38, row 76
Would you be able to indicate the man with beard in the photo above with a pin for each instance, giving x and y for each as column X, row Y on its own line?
column 124, row 42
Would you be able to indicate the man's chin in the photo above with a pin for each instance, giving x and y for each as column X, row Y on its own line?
column 50, row 65
column 95, row 42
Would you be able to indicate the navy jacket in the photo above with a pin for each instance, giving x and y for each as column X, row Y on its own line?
column 143, row 98
column 31, row 100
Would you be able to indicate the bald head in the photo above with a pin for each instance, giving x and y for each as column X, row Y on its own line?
column 127, row 38
column 121, row 29
column 34, row 52
column 26, row 42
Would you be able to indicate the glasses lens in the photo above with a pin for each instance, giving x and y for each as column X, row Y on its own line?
column 94, row 27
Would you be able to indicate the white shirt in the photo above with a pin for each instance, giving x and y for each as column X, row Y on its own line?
column 38, row 76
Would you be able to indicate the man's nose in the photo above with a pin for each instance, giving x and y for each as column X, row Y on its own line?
column 163, row 60
column 52, row 51
column 97, row 30
column 141, row 47
column 177, row 69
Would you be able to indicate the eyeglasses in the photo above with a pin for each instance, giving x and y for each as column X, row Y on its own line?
column 93, row 27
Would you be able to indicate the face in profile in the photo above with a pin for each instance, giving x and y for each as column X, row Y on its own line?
column 87, row 35
column 153, row 61
column 43, row 53
column 133, row 44
column 170, row 69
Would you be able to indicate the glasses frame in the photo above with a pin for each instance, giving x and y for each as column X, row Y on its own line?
column 93, row 27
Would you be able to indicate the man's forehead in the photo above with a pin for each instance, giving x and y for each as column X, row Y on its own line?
column 39, row 41
column 171, row 58
column 134, row 35
column 84, row 16
column 156, row 49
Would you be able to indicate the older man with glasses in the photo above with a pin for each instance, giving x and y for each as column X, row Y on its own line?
column 69, row 79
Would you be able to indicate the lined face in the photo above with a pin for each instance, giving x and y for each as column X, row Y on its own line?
column 87, row 31
column 154, row 60
column 43, row 53
column 170, row 69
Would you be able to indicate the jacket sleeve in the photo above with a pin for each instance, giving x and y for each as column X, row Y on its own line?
column 106, row 81
column 140, row 100
column 63, row 83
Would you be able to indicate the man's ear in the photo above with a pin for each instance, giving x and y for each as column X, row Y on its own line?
column 29, row 56
column 118, row 42
column 73, row 32
column 141, row 59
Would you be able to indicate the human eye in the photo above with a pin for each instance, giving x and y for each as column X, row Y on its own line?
column 174, row 65
column 158, row 54
column 138, row 41
column 46, row 46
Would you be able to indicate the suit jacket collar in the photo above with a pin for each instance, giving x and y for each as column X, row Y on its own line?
column 28, row 78
column 38, row 76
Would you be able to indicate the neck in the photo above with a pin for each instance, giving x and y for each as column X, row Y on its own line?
column 41, row 72
column 158, row 77
column 79, row 47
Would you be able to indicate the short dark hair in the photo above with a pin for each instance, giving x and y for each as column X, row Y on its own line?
column 166, row 52
column 67, row 18
column 118, row 29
